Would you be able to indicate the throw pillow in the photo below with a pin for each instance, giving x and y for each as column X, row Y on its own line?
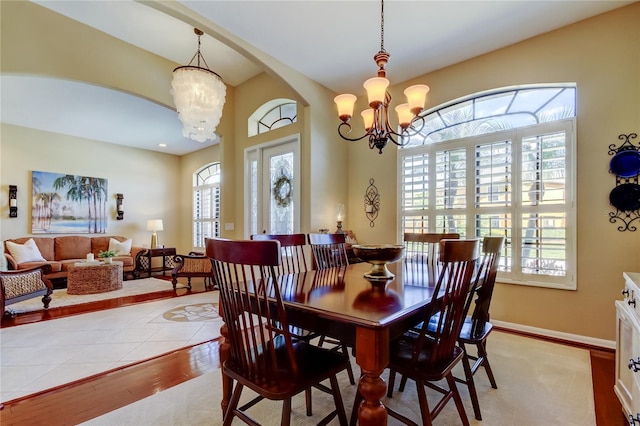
column 121, row 248
column 27, row 252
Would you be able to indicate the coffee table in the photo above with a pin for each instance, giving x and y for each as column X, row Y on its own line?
column 88, row 278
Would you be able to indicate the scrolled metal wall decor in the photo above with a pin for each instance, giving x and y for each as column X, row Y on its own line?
column 371, row 203
column 625, row 197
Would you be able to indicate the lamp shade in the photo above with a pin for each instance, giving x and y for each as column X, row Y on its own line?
column 376, row 90
column 154, row 225
column 367, row 117
column 404, row 115
column 416, row 97
column 199, row 95
column 345, row 104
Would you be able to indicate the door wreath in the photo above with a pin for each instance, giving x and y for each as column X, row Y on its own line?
column 282, row 190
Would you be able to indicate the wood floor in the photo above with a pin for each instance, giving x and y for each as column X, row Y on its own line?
column 99, row 394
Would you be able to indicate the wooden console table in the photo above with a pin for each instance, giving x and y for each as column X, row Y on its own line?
column 145, row 265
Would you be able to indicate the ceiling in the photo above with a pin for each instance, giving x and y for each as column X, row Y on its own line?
column 330, row 41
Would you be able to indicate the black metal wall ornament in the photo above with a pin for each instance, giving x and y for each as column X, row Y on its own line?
column 625, row 197
column 371, row 203
column 13, row 200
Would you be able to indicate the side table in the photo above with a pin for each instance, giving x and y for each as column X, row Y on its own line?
column 90, row 277
column 166, row 253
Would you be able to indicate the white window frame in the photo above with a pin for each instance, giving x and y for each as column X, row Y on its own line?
column 211, row 187
column 516, row 209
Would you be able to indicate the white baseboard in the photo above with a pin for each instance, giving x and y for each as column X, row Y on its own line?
column 592, row 341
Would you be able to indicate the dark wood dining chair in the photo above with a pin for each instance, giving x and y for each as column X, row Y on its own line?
column 294, row 259
column 476, row 328
column 428, row 357
column 421, row 256
column 425, row 247
column 263, row 356
column 330, row 251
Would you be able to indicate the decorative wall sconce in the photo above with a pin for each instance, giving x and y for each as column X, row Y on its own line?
column 371, row 203
column 339, row 218
column 13, row 201
column 119, row 206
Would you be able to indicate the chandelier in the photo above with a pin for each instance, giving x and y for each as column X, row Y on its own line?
column 376, row 117
column 199, row 96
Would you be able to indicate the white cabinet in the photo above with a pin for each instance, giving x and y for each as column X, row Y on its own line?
column 627, row 384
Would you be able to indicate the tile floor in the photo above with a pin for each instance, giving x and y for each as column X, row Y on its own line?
column 35, row 357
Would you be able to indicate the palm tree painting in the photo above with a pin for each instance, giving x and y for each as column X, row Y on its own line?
column 68, row 204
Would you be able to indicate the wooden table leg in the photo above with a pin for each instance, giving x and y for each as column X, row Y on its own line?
column 372, row 355
column 227, row 382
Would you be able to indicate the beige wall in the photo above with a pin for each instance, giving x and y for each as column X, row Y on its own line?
column 144, row 177
column 602, row 55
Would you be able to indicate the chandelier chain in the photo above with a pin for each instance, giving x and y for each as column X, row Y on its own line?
column 382, row 26
column 199, row 54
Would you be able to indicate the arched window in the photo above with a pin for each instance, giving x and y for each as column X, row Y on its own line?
column 206, row 204
column 272, row 115
column 500, row 163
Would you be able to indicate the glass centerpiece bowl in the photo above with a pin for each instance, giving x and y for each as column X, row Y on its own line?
column 378, row 255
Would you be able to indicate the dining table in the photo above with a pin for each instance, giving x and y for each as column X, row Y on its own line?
column 365, row 314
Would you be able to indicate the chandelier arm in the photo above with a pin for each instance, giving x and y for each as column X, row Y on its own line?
column 406, row 132
column 343, row 135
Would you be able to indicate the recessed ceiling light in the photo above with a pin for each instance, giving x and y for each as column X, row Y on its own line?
column 162, row 145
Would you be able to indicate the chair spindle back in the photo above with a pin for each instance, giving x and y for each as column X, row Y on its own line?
column 458, row 258
column 294, row 259
column 421, row 258
column 491, row 248
column 245, row 272
column 329, row 250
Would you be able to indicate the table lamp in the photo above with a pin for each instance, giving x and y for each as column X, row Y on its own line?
column 154, row 225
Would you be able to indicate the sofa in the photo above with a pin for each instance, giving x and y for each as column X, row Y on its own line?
column 63, row 251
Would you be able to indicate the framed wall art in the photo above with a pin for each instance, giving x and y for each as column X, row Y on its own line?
column 68, row 204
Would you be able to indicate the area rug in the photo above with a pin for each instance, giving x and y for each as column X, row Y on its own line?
column 61, row 298
column 539, row 384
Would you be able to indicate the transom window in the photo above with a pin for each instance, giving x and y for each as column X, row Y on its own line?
column 206, row 204
column 500, row 163
column 273, row 115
